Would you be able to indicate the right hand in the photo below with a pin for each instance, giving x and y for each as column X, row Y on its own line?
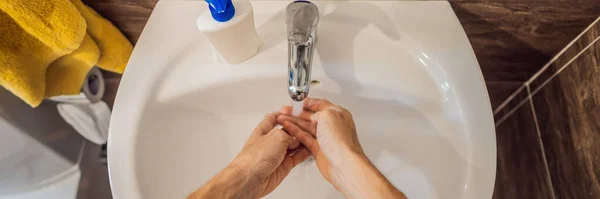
column 336, row 145
column 328, row 131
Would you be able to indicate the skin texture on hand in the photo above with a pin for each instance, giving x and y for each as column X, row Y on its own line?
column 329, row 132
column 265, row 160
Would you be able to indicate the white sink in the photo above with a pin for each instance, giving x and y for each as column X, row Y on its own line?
column 404, row 69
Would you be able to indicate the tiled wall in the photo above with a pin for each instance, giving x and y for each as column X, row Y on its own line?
column 514, row 39
column 548, row 132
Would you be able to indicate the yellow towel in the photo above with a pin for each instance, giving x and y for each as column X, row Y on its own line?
column 48, row 46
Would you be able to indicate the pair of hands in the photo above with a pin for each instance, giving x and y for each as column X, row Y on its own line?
column 323, row 130
column 334, row 145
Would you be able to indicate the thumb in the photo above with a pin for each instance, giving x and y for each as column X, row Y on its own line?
column 315, row 117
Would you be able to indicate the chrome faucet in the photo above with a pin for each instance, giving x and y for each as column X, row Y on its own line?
column 302, row 19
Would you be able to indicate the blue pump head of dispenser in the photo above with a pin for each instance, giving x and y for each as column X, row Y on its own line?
column 221, row 10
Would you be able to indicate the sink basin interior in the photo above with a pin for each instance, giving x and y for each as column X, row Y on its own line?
column 416, row 95
column 414, row 148
column 413, row 134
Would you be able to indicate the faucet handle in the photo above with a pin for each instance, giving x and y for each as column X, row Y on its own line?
column 302, row 19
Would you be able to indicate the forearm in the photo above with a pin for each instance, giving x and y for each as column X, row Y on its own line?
column 229, row 183
column 361, row 179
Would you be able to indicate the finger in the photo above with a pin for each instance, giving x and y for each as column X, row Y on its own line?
column 305, row 125
column 304, row 138
column 292, row 143
column 287, row 110
column 295, row 159
column 305, row 114
column 316, row 104
column 284, row 137
column 300, row 155
column 315, row 117
column 324, row 116
column 267, row 124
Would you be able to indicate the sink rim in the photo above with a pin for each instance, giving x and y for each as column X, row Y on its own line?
column 126, row 117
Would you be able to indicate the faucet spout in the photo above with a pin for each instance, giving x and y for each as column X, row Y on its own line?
column 302, row 20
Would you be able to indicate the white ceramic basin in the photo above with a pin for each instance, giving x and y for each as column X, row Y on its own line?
column 404, row 69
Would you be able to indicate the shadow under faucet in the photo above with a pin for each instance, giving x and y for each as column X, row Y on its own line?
column 337, row 34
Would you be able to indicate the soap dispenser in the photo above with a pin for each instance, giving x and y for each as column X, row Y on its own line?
column 229, row 27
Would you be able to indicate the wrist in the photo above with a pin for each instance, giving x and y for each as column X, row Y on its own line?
column 237, row 180
column 361, row 179
column 352, row 160
column 347, row 171
column 231, row 182
column 241, row 170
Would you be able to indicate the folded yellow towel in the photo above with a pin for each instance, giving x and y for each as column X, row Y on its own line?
column 48, row 46
column 66, row 75
column 115, row 48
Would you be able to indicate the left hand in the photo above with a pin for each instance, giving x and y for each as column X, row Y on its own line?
column 265, row 160
column 269, row 155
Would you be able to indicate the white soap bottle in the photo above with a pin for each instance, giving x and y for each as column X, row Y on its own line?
column 229, row 26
